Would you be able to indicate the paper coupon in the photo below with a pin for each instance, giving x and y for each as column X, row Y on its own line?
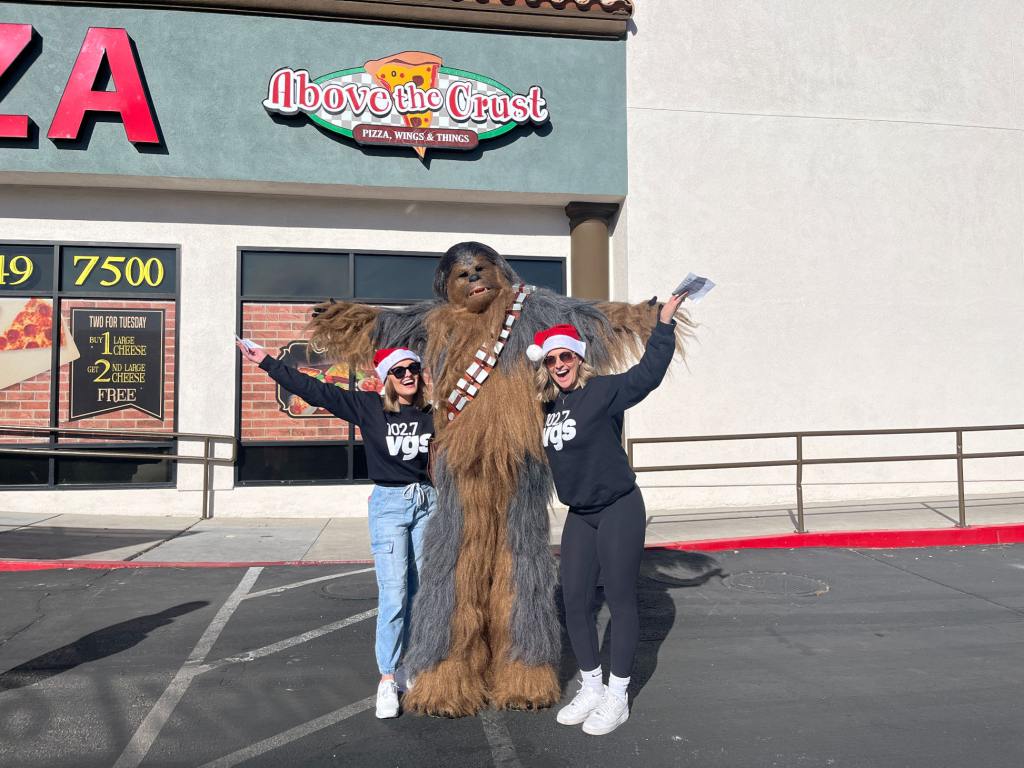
column 695, row 287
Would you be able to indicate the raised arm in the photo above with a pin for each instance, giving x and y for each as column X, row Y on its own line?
column 627, row 389
column 343, row 404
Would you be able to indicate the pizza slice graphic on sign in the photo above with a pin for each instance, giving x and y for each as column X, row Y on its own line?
column 414, row 67
column 30, row 329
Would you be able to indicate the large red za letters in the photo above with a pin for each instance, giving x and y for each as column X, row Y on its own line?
column 128, row 99
column 14, row 38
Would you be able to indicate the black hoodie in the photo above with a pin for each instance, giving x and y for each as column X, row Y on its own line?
column 396, row 443
column 583, row 428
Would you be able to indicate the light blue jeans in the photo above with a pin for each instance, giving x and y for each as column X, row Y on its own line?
column 398, row 517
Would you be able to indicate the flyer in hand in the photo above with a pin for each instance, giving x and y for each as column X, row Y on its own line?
column 695, row 287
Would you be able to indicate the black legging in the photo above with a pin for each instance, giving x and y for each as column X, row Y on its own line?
column 610, row 542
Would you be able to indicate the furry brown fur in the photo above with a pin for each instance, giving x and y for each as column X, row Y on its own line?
column 345, row 331
column 631, row 326
column 508, row 422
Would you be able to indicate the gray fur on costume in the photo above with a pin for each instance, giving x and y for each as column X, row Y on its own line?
column 546, row 308
column 434, row 604
column 403, row 327
column 536, row 635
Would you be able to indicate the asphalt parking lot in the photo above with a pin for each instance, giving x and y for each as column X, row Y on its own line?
column 756, row 658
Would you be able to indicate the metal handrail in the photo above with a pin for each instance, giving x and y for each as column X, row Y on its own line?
column 800, row 462
column 209, row 458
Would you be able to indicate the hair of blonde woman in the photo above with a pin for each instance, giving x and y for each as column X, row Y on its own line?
column 391, row 404
column 547, row 390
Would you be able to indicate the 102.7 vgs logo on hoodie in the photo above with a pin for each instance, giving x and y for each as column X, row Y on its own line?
column 559, row 428
column 402, row 438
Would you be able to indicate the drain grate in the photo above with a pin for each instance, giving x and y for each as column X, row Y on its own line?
column 776, row 583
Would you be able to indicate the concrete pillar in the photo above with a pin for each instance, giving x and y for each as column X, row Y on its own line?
column 588, row 228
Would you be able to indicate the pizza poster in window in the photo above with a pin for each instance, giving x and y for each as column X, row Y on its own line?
column 26, row 340
column 298, row 355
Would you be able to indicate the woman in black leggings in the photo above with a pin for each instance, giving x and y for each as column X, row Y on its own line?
column 604, row 530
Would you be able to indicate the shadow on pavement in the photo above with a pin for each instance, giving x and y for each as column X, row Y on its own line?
column 96, row 645
column 42, row 543
column 660, row 571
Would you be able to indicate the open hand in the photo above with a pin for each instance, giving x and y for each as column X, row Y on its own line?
column 254, row 355
column 668, row 311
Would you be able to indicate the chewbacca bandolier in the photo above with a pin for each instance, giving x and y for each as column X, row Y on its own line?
column 484, row 625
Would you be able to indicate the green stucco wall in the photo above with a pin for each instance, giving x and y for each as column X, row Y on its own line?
column 208, row 74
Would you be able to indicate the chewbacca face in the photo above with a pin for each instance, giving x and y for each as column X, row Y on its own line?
column 473, row 282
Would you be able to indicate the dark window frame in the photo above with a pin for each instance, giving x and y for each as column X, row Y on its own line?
column 56, row 295
column 243, row 299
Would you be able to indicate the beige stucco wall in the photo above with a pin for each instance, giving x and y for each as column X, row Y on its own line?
column 851, row 176
column 209, row 228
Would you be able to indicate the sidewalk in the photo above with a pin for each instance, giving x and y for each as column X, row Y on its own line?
column 152, row 539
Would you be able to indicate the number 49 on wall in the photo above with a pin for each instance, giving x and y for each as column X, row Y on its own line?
column 128, row 99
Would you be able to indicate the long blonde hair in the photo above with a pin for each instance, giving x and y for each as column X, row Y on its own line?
column 547, row 390
column 390, row 396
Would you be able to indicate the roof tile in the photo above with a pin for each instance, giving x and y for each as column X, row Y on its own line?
column 608, row 5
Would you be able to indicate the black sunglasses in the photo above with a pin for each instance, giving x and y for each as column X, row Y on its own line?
column 565, row 357
column 399, row 370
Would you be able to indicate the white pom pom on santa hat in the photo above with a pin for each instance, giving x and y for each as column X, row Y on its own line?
column 556, row 337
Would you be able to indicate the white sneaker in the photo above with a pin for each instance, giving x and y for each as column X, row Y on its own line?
column 585, row 702
column 387, row 699
column 612, row 712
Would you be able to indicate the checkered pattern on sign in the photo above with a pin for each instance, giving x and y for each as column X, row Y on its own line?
column 441, row 120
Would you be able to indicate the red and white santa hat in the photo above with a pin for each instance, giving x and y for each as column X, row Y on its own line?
column 556, row 337
column 386, row 359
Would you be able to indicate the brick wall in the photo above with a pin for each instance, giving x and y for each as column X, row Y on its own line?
column 26, row 403
column 272, row 326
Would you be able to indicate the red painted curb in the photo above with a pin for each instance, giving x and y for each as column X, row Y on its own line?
column 923, row 537
column 49, row 565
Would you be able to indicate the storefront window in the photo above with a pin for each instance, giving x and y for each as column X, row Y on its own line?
column 284, row 440
column 105, row 318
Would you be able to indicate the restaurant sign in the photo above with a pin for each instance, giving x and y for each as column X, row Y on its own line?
column 409, row 99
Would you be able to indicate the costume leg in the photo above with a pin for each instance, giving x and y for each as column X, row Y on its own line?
column 452, row 681
column 620, row 545
column 579, row 569
column 388, row 542
column 525, row 635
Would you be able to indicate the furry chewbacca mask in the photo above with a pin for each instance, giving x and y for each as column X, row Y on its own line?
column 471, row 275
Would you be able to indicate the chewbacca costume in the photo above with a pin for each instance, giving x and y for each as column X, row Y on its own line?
column 485, row 629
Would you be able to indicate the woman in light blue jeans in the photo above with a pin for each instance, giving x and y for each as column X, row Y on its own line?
column 397, row 427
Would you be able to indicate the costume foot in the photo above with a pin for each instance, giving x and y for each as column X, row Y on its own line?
column 515, row 685
column 446, row 690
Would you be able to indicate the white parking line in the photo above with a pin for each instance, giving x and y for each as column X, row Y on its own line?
column 292, row 734
column 148, row 731
column 154, row 722
column 293, row 585
column 283, row 645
